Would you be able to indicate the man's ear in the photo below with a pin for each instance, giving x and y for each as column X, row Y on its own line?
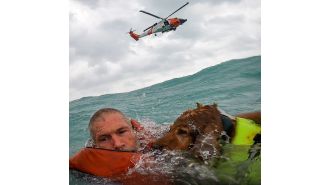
column 136, row 125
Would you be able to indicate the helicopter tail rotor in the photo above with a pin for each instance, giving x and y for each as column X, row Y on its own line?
column 134, row 35
column 130, row 30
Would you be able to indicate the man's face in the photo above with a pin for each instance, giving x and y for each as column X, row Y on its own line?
column 113, row 133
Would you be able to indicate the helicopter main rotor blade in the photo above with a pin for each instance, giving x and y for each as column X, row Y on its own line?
column 150, row 26
column 177, row 10
column 151, row 14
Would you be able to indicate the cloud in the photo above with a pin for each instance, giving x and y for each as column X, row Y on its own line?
column 105, row 60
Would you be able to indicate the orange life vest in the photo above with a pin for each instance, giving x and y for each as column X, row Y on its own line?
column 113, row 164
column 103, row 163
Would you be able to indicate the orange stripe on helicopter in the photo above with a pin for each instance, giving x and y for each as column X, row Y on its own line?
column 174, row 22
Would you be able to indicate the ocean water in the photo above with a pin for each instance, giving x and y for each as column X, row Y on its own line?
column 234, row 85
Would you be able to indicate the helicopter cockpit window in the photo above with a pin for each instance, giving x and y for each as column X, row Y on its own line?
column 166, row 23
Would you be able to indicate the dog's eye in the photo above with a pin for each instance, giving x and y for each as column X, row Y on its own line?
column 182, row 132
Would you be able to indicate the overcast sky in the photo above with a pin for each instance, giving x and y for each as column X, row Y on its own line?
column 104, row 59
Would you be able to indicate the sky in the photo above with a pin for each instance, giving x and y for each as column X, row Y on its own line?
column 104, row 59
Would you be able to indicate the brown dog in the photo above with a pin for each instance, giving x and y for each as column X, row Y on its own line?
column 199, row 131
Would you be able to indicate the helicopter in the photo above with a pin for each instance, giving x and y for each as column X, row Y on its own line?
column 165, row 25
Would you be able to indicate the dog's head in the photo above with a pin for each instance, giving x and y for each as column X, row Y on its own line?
column 196, row 130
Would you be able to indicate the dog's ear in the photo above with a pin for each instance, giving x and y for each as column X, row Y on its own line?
column 199, row 105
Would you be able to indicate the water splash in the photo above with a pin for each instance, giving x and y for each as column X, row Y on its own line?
column 179, row 167
column 151, row 131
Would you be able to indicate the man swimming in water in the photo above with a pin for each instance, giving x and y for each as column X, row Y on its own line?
column 114, row 150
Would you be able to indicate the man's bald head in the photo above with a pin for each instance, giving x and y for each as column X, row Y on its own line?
column 99, row 116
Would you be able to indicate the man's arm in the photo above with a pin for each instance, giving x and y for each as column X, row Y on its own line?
column 255, row 116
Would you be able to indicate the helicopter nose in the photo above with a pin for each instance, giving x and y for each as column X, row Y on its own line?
column 182, row 21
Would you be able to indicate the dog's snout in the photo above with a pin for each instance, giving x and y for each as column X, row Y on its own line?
column 157, row 146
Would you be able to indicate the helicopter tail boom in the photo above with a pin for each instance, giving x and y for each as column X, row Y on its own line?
column 134, row 35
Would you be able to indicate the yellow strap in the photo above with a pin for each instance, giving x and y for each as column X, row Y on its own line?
column 245, row 131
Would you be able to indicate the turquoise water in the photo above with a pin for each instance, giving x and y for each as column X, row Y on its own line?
column 234, row 85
